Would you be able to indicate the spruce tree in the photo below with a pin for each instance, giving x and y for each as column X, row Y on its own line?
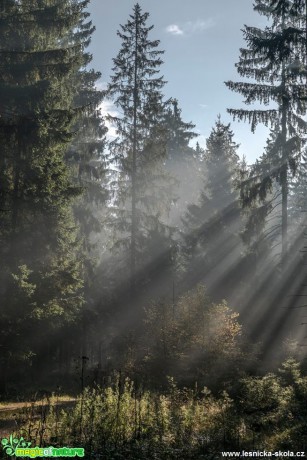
column 86, row 158
column 273, row 60
column 41, row 270
column 140, row 146
column 298, row 205
column 212, row 225
column 261, row 199
column 182, row 161
column 86, row 155
column 180, row 133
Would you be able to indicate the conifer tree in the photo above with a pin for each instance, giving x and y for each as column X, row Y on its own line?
column 212, row 225
column 41, row 270
column 86, row 155
column 274, row 60
column 298, row 205
column 87, row 163
column 180, row 133
column 182, row 161
column 140, row 146
column 261, row 199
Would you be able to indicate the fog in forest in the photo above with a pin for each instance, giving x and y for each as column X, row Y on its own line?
column 153, row 284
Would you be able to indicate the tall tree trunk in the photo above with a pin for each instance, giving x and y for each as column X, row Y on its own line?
column 134, row 169
column 16, row 189
column 284, row 173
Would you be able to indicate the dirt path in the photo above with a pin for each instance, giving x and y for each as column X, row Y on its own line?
column 9, row 412
column 8, row 407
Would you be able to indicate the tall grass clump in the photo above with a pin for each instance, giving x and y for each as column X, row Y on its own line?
column 123, row 421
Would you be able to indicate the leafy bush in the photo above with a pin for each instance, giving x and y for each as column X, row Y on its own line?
column 194, row 340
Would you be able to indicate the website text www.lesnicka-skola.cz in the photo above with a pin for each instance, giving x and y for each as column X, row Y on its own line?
column 263, row 454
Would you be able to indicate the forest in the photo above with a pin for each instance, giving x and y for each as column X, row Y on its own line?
column 152, row 289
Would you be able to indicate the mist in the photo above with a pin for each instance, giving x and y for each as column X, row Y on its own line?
column 153, row 280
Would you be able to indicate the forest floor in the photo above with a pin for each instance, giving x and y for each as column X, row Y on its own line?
column 12, row 414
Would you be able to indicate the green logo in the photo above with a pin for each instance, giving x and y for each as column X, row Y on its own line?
column 21, row 448
column 11, row 444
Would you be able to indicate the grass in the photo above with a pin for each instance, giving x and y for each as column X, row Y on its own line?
column 13, row 415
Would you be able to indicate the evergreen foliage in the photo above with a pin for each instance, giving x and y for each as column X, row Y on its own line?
column 86, row 155
column 182, row 162
column 274, row 59
column 41, row 271
column 261, row 201
column 298, row 201
column 143, row 193
column 212, row 226
column 164, row 372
